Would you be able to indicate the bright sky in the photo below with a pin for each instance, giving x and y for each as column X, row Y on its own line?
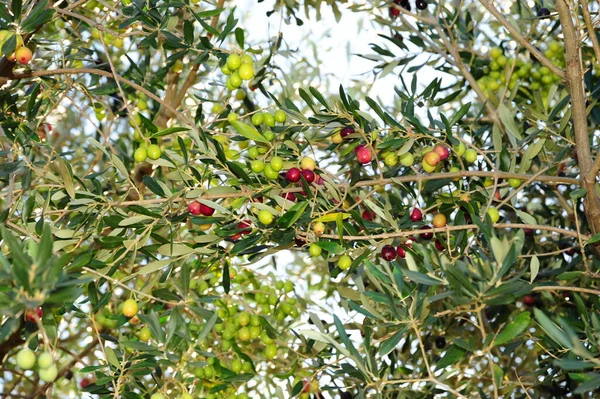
column 336, row 41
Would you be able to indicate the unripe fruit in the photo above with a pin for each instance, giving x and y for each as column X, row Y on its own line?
column 470, row 155
column 244, row 319
column 416, row 215
column 494, row 214
column 154, row 151
column 314, row 250
column 265, row 217
column 130, row 308
column 442, row 151
column 432, row 158
column 144, row 334
column 234, row 61
column 269, row 135
column 253, row 152
column 336, row 138
column 235, row 80
column 514, row 182
column 495, row 52
column 232, row 117
column 460, row 149
column 319, row 228
column 280, row 116
column 363, row 155
column 388, row 253
column 439, row 220
column 271, row 351
column 48, row 374
column 344, row 262
column 276, row 163
column 293, row 175
column 23, row 55
column 269, row 120
column 308, row 175
column 45, row 360
column 391, row 159
column 407, row 159
column 140, row 154
column 426, row 167
column 157, row 396
column 186, row 395
column 246, row 72
column 247, row 59
column 194, row 208
column 270, row 173
column 26, row 359
column 307, row 163
column 258, row 118
column 257, row 166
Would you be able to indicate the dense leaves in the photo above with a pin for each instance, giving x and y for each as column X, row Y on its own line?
column 154, row 244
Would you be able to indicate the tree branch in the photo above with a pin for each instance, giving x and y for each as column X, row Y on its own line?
column 551, row 180
column 408, row 233
column 591, row 31
column 574, row 79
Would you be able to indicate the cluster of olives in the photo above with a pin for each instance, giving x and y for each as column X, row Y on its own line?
column 237, row 69
column 529, row 74
column 109, row 39
column 22, row 54
column 47, row 370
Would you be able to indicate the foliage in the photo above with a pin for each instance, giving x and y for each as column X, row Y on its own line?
column 162, row 191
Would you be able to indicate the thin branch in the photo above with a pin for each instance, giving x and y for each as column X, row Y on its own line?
column 551, row 180
column 408, row 233
column 590, row 30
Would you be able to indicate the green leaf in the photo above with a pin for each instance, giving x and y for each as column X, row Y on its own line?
column 344, row 337
column 573, row 364
column 248, row 131
column 552, row 329
column 535, row 268
column 390, row 344
column 508, row 121
column 153, row 186
column 459, row 114
column 38, row 16
column 421, row 278
column 239, row 37
column 591, row 384
column 513, row 329
column 169, row 130
column 452, row 355
column 291, row 216
column 594, row 239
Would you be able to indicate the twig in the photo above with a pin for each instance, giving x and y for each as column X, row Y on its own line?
column 409, row 233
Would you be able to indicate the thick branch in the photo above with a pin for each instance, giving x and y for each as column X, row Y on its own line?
column 575, row 84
